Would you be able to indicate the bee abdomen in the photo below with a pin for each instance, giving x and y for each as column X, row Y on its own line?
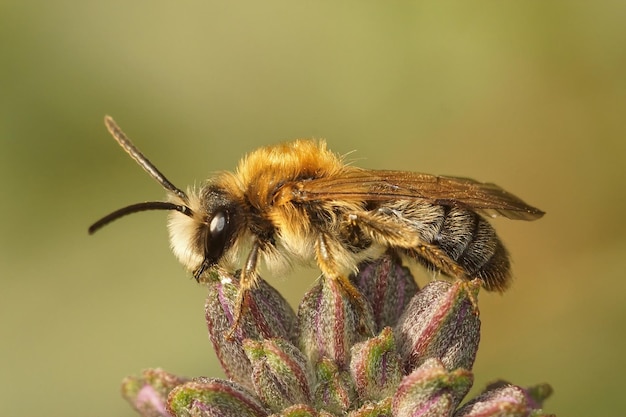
column 469, row 240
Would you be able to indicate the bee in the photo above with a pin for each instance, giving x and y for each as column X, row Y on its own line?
column 299, row 203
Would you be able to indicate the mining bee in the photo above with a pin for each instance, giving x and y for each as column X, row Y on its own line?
column 299, row 203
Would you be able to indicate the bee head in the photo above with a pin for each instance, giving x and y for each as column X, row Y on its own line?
column 199, row 241
column 201, row 225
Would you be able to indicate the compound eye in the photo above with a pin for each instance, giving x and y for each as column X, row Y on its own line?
column 217, row 237
column 218, row 224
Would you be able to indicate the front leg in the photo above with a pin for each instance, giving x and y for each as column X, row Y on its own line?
column 248, row 273
column 247, row 281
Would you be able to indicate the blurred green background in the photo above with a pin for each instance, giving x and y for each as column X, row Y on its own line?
column 530, row 95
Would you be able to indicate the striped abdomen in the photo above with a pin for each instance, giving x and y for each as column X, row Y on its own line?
column 466, row 238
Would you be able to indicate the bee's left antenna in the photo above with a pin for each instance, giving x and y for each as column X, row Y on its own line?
column 144, row 162
column 134, row 153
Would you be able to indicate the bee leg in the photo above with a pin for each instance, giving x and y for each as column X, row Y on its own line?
column 247, row 281
column 436, row 258
column 328, row 264
column 392, row 234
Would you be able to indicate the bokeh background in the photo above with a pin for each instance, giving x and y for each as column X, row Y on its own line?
column 530, row 95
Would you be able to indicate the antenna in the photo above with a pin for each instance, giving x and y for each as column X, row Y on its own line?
column 135, row 208
column 134, row 153
column 143, row 162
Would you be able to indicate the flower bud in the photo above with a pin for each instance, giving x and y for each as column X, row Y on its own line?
column 148, row 393
column 376, row 367
column 431, row 390
column 334, row 391
column 279, row 373
column 388, row 286
column 208, row 397
column 374, row 409
column 265, row 314
column 331, row 321
column 298, row 410
column 505, row 400
column 441, row 322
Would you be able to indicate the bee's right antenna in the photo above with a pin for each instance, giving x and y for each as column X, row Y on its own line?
column 144, row 162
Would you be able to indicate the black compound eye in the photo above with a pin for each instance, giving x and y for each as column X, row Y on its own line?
column 218, row 236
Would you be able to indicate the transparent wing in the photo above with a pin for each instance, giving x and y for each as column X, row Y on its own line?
column 354, row 184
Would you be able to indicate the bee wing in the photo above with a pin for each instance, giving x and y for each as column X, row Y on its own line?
column 354, row 184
